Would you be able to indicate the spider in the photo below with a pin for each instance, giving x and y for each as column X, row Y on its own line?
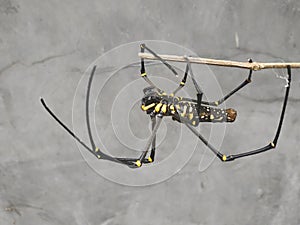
column 157, row 104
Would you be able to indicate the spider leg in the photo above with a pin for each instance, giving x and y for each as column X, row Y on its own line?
column 152, row 153
column 144, row 74
column 87, row 114
column 182, row 83
column 243, row 84
column 137, row 162
column 99, row 154
column 199, row 91
column 143, row 70
column 211, row 147
column 150, row 159
column 271, row 145
column 143, row 46
column 94, row 150
column 150, row 141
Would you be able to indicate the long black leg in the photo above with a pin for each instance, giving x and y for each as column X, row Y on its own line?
column 271, row 145
column 182, row 83
column 144, row 74
column 150, row 159
column 150, row 141
column 152, row 154
column 138, row 162
column 143, row 46
column 87, row 101
column 211, row 147
column 199, row 91
column 65, row 127
column 94, row 150
column 143, row 70
column 220, row 101
column 97, row 153
column 274, row 142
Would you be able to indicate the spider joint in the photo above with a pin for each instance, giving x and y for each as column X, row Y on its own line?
column 273, row 145
column 224, row 158
column 138, row 163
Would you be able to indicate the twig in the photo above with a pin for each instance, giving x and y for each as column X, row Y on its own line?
column 217, row 62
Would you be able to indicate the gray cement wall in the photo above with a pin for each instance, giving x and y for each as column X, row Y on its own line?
column 45, row 47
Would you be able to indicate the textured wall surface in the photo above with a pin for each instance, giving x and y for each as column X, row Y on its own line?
column 45, row 46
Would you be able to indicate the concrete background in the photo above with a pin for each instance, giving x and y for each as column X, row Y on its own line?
column 45, row 46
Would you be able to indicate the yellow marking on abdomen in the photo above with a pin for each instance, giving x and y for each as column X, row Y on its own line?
column 172, row 109
column 145, row 108
column 164, row 108
column 157, row 107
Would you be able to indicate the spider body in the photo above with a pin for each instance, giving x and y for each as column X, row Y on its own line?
column 183, row 110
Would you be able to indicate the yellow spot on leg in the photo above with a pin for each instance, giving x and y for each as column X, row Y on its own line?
column 150, row 159
column 138, row 163
column 272, row 144
column 97, row 150
column 224, row 157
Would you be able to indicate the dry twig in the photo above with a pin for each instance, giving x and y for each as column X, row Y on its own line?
column 217, row 62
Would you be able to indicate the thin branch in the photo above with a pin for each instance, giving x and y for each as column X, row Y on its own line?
column 217, row 62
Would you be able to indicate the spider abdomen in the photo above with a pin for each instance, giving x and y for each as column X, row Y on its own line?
column 188, row 112
column 215, row 115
